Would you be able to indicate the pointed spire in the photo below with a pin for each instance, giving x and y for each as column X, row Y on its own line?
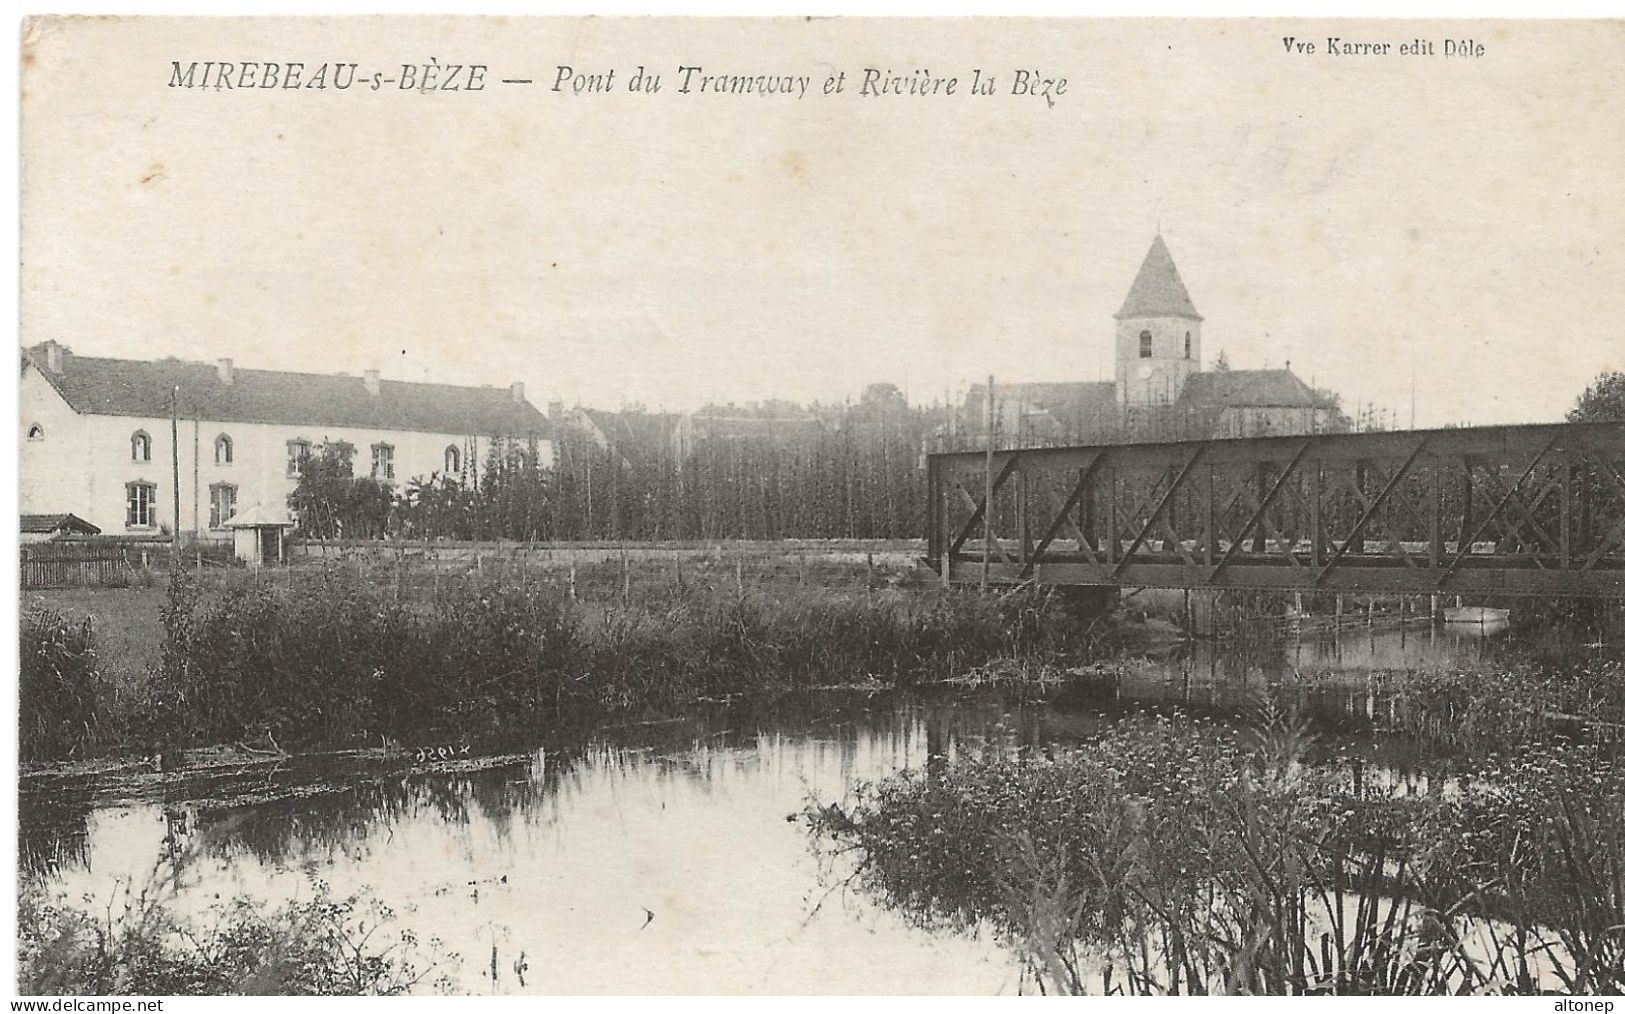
column 1157, row 290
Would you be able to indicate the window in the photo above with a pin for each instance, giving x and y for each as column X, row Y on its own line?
column 140, row 505
column 222, row 450
column 36, row 432
column 454, row 460
column 222, row 504
column 1187, row 344
column 1145, row 344
column 383, row 462
column 140, row 446
column 298, row 454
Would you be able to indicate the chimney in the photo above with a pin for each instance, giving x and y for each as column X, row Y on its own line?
column 54, row 354
column 227, row 374
column 555, row 412
column 517, row 389
column 370, row 378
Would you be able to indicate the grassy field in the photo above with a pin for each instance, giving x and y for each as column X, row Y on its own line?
column 129, row 636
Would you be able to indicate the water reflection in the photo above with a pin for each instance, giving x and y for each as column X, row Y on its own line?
column 554, row 856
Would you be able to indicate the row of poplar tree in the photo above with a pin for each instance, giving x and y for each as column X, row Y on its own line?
column 853, row 470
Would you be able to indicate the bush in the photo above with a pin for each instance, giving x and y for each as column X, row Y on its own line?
column 138, row 946
column 342, row 656
column 62, row 697
column 1167, row 857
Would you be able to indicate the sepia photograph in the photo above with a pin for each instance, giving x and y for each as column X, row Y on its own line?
column 820, row 506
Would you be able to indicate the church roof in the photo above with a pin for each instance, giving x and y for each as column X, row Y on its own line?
column 1247, row 388
column 1157, row 290
column 130, row 387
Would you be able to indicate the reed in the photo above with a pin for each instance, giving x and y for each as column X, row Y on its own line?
column 138, row 942
column 1169, row 857
column 341, row 657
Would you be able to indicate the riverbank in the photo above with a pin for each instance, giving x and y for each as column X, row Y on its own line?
column 1172, row 856
column 338, row 657
column 622, row 812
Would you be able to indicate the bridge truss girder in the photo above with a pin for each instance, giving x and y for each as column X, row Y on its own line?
column 1502, row 510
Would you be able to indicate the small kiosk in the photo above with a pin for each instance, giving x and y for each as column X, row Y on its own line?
column 257, row 534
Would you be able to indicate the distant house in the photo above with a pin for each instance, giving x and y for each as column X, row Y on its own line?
column 1253, row 403
column 762, row 422
column 1160, row 390
column 1036, row 414
column 96, row 435
column 633, row 435
column 45, row 527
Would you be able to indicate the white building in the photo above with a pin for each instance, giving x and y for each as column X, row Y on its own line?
column 96, row 435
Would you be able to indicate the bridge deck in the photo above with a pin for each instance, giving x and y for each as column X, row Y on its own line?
column 1516, row 510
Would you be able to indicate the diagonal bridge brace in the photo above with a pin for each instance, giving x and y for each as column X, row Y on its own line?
column 982, row 508
column 1467, row 543
column 1063, row 514
column 1371, row 509
column 1259, row 512
column 1162, row 505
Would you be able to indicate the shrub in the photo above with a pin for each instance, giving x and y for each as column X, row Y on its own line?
column 344, row 656
column 138, row 945
column 62, row 697
column 1167, row 857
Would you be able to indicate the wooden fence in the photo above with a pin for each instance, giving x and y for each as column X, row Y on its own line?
column 100, row 561
column 77, row 566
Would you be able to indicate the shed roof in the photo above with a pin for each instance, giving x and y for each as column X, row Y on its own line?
column 46, row 524
column 259, row 516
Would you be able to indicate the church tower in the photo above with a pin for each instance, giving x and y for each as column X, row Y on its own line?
column 1159, row 334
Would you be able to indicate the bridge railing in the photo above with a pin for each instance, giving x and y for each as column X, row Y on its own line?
column 1506, row 510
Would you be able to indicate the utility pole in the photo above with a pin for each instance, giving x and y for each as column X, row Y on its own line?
column 197, row 513
column 987, row 499
column 1413, row 396
column 175, row 475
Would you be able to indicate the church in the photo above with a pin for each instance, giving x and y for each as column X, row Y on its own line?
column 1160, row 391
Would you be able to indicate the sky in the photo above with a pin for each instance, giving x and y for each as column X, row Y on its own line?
column 1390, row 225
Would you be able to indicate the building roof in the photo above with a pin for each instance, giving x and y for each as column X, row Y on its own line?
column 1047, row 411
column 632, row 428
column 1157, row 290
column 1071, row 397
column 259, row 516
column 1247, row 388
column 48, row 524
column 755, row 421
column 130, row 387
column 635, row 435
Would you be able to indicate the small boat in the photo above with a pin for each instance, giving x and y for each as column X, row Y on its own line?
column 1476, row 614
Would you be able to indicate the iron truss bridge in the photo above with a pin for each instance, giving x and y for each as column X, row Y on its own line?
column 1494, row 510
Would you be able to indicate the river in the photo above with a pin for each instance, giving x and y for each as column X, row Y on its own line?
column 660, row 856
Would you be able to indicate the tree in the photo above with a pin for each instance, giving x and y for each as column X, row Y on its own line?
column 881, row 400
column 1603, row 401
column 1221, row 364
column 330, row 502
column 1329, row 410
column 514, row 501
column 440, row 507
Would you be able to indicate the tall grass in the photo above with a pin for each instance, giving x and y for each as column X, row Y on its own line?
column 62, row 698
column 1489, row 710
column 138, row 943
column 341, row 657
column 1168, row 857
